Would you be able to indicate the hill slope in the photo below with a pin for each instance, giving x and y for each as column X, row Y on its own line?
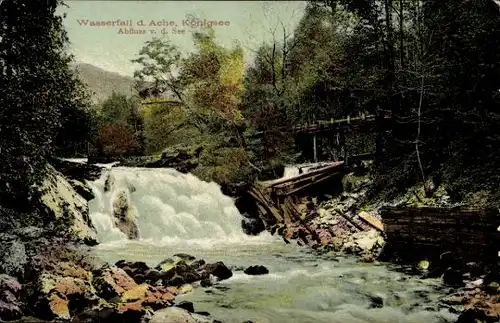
column 102, row 83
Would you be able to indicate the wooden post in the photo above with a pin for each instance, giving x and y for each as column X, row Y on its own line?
column 315, row 151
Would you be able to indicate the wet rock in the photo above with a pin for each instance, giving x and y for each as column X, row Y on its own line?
column 111, row 282
column 491, row 276
column 10, row 304
column 170, row 262
column 206, row 282
column 109, row 182
column 493, row 288
column 132, row 265
column 177, row 315
column 474, row 269
column 138, row 270
column 188, row 306
column 423, row 265
column 256, row 270
column 376, row 301
column 61, row 201
column 82, row 189
column 56, row 296
column 450, row 260
column 145, row 295
column 125, row 217
column 197, row 264
column 182, row 273
column 473, row 316
column 77, row 171
column 252, row 226
column 185, row 257
column 454, row 300
column 219, row 270
column 453, row 277
column 184, row 158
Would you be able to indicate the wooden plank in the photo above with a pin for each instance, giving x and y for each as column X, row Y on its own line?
column 371, row 220
column 268, row 205
column 305, row 175
column 471, row 232
column 311, row 184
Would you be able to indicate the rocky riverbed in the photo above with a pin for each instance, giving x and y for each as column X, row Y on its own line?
column 64, row 284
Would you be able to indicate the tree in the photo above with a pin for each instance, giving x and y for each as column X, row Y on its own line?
column 38, row 88
column 117, row 140
column 120, row 119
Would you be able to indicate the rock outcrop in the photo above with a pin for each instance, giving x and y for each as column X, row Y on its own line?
column 182, row 157
column 61, row 201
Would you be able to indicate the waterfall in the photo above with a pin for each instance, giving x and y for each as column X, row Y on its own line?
column 168, row 207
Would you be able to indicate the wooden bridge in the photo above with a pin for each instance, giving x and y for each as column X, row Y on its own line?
column 337, row 130
column 361, row 123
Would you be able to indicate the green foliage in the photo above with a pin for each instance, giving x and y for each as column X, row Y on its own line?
column 200, row 97
column 120, row 127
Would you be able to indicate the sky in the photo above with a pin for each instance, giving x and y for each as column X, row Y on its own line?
column 248, row 23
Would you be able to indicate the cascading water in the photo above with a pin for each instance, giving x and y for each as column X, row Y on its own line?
column 179, row 213
column 168, row 207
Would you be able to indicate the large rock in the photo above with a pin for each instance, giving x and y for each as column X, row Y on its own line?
column 77, row 171
column 61, row 201
column 256, row 270
column 82, row 189
column 181, row 157
column 178, row 315
column 125, row 216
column 218, row 269
column 111, row 282
column 10, row 304
column 58, row 296
column 184, row 269
column 364, row 242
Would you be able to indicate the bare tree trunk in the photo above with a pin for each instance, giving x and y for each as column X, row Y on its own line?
column 417, row 139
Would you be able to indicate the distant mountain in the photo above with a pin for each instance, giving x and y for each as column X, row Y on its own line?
column 102, row 83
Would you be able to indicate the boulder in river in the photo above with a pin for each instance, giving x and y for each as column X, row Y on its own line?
column 453, row 277
column 124, row 214
column 219, row 270
column 256, row 270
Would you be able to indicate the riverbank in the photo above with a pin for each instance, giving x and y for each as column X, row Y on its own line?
column 350, row 223
column 47, row 273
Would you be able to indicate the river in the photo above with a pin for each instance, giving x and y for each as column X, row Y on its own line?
column 178, row 213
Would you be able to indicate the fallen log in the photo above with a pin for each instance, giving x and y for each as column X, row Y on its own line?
column 371, row 220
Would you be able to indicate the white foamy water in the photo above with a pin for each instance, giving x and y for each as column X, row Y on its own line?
column 169, row 207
